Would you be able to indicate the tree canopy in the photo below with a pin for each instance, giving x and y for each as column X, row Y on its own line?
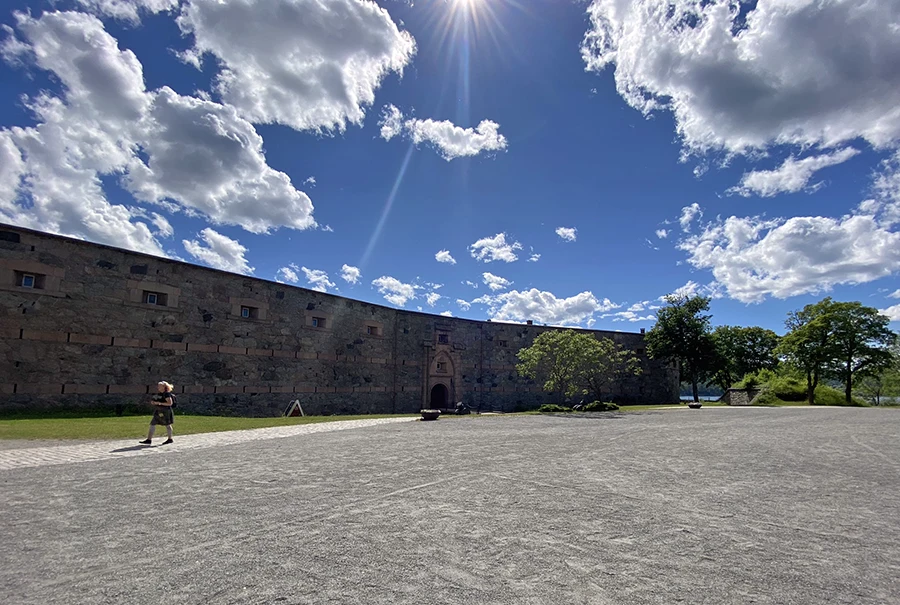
column 741, row 351
column 682, row 332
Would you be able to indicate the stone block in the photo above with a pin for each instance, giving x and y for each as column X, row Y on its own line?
column 343, row 390
column 171, row 346
column 325, row 390
column 84, row 389
column 128, row 389
column 7, row 389
column 306, row 355
column 198, row 348
column 14, row 333
column 260, row 352
column 45, row 336
column 305, row 388
column 231, row 390
column 88, row 339
column 39, row 389
column 140, row 343
column 196, row 389
column 232, row 351
column 326, row 357
column 256, row 389
column 284, row 354
column 282, row 389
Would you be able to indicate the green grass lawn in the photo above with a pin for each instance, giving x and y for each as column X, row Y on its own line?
column 125, row 427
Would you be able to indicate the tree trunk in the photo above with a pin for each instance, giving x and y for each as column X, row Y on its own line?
column 810, row 388
column 848, row 388
column 695, row 388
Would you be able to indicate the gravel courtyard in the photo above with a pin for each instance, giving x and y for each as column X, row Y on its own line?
column 681, row 506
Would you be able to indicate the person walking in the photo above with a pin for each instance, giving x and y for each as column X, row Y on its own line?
column 163, row 401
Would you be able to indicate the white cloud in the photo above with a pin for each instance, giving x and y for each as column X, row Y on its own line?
column 288, row 274
column 219, row 251
column 327, row 229
column 350, row 274
column 534, row 258
column 447, row 313
column 639, row 306
column 310, row 181
column 892, row 312
column 318, row 279
column 629, row 316
column 495, row 248
column 391, row 122
column 688, row 214
column 544, row 307
column 740, row 77
column 128, row 10
column 662, row 233
column 307, row 64
column 752, row 257
column 444, row 257
column 894, row 294
column 792, row 176
column 194, row 152
column 454, row 142
column 163, row 227
column 463, row 304
column 470, row 283
column 568, row 234
column 395, row 291
column 432, row 297
column 495, row 282
column 887, row 188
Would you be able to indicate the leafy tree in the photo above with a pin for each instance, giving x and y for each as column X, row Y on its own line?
column 557, row 359
column 682, row 332
column 608, row 364
column 741, row 351
column 571, row 363
column 846, row 341
column 861, row 339
column 806, row 346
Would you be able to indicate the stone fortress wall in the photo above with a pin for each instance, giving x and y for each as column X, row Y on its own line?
column 85, row 325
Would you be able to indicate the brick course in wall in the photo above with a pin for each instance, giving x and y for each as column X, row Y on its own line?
column 93, row 340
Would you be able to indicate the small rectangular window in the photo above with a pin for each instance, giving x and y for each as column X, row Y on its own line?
column 372, row 330
column 250, row 312
column 441, row 366
column 33, row 281
column 504, row 343
column 155, row 298
column 318, row 322
column 245, row 311
column 443, row 339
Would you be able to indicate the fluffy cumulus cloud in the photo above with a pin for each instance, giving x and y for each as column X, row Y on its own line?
column 450, row 140
column 447, row 313
column 630, row 316
column 444, row 257
column 463, row 304
column 307, row 64
column 739, row 76
column 432, row 297
column 495, row 249
column 128, row 10
column 288, row 274
column 892, row 312
column 495, row 282
column 318, row 279
column 219, row 251
column 180, row 152
column 752, row 257
column 350, row 274
column 792, row 176
column 544, row 307
column 662, row 233
column 568, row 234
column 395, row 291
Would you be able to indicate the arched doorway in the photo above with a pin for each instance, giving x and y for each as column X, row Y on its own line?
column 439, row 397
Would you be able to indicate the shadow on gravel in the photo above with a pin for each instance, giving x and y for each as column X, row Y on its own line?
column 595, row 415
column 132, row 448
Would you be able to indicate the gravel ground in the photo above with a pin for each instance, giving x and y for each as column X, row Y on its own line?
column 685, row 506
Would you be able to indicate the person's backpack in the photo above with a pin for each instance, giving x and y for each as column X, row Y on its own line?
column 174, row 400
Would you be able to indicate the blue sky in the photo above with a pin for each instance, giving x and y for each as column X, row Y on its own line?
column 576, row 160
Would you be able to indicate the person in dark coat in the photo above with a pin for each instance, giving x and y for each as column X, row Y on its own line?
column 162, row 412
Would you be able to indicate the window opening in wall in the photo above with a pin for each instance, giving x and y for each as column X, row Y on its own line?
column 249, row 312
column 30, row 280
column 443, row 339
column 504, row 343
column 155, row 298
column 372, row 330
column 441, row 366
column 318, row 322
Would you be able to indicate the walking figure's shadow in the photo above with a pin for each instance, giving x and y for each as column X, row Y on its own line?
column 132, row 448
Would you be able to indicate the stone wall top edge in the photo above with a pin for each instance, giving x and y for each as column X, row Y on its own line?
column 430, row 316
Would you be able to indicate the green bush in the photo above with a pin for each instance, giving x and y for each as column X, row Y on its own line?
column 552, row 408
column 791, row 390
column 601, row 406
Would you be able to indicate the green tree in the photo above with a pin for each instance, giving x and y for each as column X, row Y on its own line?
column 861, row 340
column 682, row 332
column 842, row 340
column 741, row 351
column 557, row 359
column 607, row 366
